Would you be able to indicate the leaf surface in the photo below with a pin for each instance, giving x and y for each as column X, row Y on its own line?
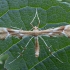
column 19, row 14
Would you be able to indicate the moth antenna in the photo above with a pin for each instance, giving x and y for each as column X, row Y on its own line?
column 22, row 51
column 50, row 50
column 36, row 14
column 31, row 29
column 33, row 20
column 38, row 18
column 31, row 24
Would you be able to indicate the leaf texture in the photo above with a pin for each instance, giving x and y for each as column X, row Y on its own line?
column 19, row 13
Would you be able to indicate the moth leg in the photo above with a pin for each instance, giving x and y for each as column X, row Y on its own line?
column 50, row 50
column 22, row 51
column 16, row 28
column 45, row 43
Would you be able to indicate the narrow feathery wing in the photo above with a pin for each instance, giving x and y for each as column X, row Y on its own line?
column 58, row 31
column 7, row 32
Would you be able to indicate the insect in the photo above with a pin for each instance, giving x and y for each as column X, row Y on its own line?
column 35, row 33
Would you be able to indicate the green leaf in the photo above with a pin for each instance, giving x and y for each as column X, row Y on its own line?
column 19, row 14
column 66, row 0
column 3, row 58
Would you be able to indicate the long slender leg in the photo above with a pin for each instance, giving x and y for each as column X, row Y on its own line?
column 36, row 47
column 16, row 28
column 45, row 43
column 50, row 50
column 22, row 51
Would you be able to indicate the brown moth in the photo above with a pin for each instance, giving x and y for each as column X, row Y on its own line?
column 35, row 33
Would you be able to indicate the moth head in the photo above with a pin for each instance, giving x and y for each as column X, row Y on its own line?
column 35, row 28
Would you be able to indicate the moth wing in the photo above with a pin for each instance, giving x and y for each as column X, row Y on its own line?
column 7, row 32
column 3, row 33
